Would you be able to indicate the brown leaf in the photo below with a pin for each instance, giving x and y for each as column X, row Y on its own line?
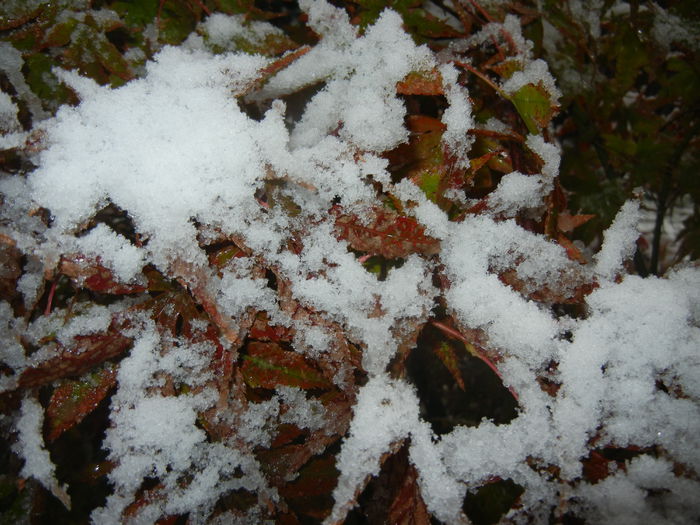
column 268, row 365
column 10, row 267
column 571, row 250
column 566, row 222
column 74, row 399
column 421, row 83
column 384, row 232
column 595, row 467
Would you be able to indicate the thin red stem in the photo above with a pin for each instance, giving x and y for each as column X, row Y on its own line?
column 49, row 301
column 475, row 351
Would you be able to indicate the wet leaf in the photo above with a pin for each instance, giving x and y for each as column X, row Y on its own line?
column 74, row 399
column 268, row 365
column 384, row 232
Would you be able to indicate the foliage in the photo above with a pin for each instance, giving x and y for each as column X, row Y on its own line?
column 272, row 413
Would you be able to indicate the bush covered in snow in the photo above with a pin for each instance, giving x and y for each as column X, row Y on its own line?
column 325, row 275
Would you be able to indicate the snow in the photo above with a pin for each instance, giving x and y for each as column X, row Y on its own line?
column 619, row 242
column 30, row 447
column 175, row 150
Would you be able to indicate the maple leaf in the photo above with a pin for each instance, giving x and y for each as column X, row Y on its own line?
column 384, row 232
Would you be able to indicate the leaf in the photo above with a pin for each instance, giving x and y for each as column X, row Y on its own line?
column 221, row 257
column 567, row 222
column 384, row 232
column 421, row 83
column 267, row 365
column 87, row 272
column 595, row 467
column 408, row 507
column 74, row 399
column 317, row 477
column 490, row 502
column 87, row 352
column 447, row 355
column 10, row 267
column 534, row 106
column 506, row 68
column 263, row 331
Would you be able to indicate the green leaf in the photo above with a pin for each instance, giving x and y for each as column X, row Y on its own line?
column 137, row 13
column 534, row 106
column 447, row 355
column 429, row 182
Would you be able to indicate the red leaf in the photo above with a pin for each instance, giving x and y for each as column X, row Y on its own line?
column 267, row 365
column 87, row 272
column 87, row 352
column 74, row 399
column 262, row 330
column 384, row 232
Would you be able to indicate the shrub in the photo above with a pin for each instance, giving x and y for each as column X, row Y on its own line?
column 322, row 278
